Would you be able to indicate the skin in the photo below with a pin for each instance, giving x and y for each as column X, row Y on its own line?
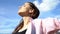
column 24, row 11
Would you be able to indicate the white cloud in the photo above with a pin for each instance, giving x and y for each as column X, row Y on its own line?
column 57, row 16
column 6, row 31
column 7, row 25
column 46, row 5
column 4, row 20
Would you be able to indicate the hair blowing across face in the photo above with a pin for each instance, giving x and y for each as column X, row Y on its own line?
column 35, row 15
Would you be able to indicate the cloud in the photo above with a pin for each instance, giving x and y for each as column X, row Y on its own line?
column 7, row 25
column 6, row 31
column 46, row 5
column 57, row 16
column 4, row 20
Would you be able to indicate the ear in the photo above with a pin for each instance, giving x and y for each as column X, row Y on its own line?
column 31, row 11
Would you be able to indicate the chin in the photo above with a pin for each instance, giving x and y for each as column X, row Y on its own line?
column 23, row 14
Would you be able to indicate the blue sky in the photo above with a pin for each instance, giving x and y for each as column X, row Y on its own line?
column 9, row 18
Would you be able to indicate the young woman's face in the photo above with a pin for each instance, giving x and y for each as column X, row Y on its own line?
column 24, row 10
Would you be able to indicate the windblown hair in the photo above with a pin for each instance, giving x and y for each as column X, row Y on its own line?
column 35, row 15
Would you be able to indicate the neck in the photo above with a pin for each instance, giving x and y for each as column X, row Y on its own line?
column 26, row 20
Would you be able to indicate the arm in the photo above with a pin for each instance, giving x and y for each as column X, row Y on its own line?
column 57, row 23
column 57, row 26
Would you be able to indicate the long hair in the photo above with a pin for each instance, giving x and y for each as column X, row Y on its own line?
column 35, row 15
column 20, row 25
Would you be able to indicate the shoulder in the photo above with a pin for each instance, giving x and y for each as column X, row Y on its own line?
column 43, row 20
column 46, row 20
column 50, row 19
column 37, row 20
column 51, row 24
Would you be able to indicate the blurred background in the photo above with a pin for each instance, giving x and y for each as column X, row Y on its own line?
column 9, row 17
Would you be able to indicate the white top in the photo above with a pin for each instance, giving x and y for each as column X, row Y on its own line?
column 43, row 26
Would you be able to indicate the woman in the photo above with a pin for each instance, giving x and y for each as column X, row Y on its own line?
column 37, row 26
column 28, row 11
